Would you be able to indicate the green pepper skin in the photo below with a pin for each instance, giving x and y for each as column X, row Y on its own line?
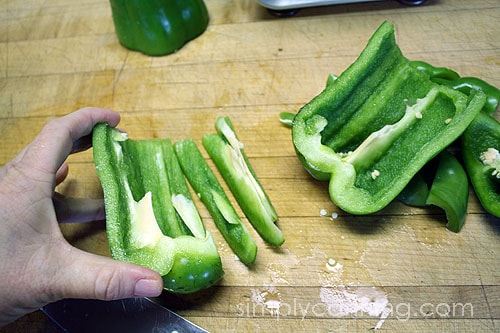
column 131, row 172
column 450, row 190
column 452, row 79
column 158, row 27
column 211, row 193
column 416, row 192
column 482, row 133
column 435, row 72
column 229, row 157
column 380, row 122
column 466, row 84
column 443, row 183
column 197, row 267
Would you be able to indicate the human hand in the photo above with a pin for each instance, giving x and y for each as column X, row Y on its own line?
column 37, row 265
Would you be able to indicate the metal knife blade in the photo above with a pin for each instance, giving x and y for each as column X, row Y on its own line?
column 127, row 315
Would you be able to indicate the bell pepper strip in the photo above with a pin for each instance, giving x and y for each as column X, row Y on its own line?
column 378, row 125
column 137, row 181
column 228, row 154
column 443, row 183
column 158, row 27
column 466, row 84
column 452, row 79
column 211, row 193
column 435, row 72
column 480, row 145
column 450, row 190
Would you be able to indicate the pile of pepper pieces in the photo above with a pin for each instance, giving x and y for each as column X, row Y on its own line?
column 151, row 218
column 387, row 128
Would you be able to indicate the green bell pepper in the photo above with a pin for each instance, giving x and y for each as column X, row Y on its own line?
column 443, row 183
column 452, row 79
column 466, row 84
column 450, row 190
column 158, row 27
column 377, row 125
column 151, row 219
column 229, row 157
column 211, row 193
column 480, row 151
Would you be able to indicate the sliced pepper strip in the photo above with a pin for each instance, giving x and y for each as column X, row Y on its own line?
column 187, row 260
column 443, row 183
column 228, row 154
column 377, row 125
column 211, row 193
column 483, row 137
column 450, row 191
column 435, row 72
column 466, row 84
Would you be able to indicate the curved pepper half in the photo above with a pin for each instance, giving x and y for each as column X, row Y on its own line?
column 158, row 27
column 151, row 219
column 380, row 122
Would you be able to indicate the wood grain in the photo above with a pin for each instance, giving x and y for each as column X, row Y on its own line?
column 332, row 274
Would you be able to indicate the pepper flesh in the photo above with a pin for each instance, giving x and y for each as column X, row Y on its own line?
column 211, row 193
column 142, row 184
column 377, row 125
column 158, row 27
column 229, row 156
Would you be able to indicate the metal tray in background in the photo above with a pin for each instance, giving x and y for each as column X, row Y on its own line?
column 296, row 4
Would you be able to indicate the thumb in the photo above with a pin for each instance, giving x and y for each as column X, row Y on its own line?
column 88, row 275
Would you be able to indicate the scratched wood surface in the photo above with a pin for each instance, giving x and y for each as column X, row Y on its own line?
column 332, row 274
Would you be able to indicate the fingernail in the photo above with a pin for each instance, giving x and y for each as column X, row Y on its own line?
column 148, row 288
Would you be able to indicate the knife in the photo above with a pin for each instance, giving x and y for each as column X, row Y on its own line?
column 127, row 315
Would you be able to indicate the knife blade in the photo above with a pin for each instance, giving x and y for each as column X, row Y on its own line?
column 127, row 315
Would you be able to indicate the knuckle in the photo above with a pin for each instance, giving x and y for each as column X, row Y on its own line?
column 108, row 285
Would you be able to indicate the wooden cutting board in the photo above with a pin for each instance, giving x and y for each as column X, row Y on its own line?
column 398, row 270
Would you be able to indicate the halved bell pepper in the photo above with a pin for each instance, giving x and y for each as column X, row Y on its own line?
column 377, row 125
column 158, row 27
column 228, row 154
column 151, row 219
column 480, row 152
